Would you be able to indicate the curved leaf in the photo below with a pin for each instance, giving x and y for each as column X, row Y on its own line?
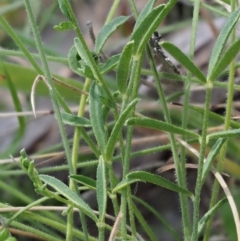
column 184, row 60
column 230, row 54
column 222, row 39
column 65, row 191
column 73, row 61
column 96, row 116
column 107, row 30
column 208, row 215
column 123, row 67
column 63, row 26
column 160, row 125
column 117, row 128
column 149, row 24
column 73, row 120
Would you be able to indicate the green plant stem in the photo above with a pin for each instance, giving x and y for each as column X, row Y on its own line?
column 186, row 221
column 212, row 9
column 180, row 179
column 52, row 93
column 223, row 150
column 134, row 83
column 50, row 82
column 186, row 216
column 95, row 70
column 75, row 149
column 198, row 187
column 112, row 11
column 131, row 213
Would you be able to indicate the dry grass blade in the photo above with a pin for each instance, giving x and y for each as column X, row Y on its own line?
column 115, row 227
column 38, row 78
column 172, row 166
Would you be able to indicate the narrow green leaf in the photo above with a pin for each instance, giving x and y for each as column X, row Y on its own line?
column 211, row 156
column 146, row 10
column 202, row 222
column 224, row 134
column 111, row 63
column 64, row 26
column 149, row 24
column 73, row 120
column 107, row 30
column 65, row 191
column 101, row 189
column 214, row 116
column 63, row 8
column 158, row 180
column 159, row 216
column 117, row 129
column 222, row 39
column 96, row 116
column 144, row 224
column 124, row 67
column 184, row 60
column 146, row 27
column 160, row 125
column 85, row 181
column 230, row 54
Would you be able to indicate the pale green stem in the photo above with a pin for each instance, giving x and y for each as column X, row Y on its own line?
column 75, row 149
column 112, row 11
column 47, row 74
column 186, row 213
column 222, row 155
column 198, row 187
